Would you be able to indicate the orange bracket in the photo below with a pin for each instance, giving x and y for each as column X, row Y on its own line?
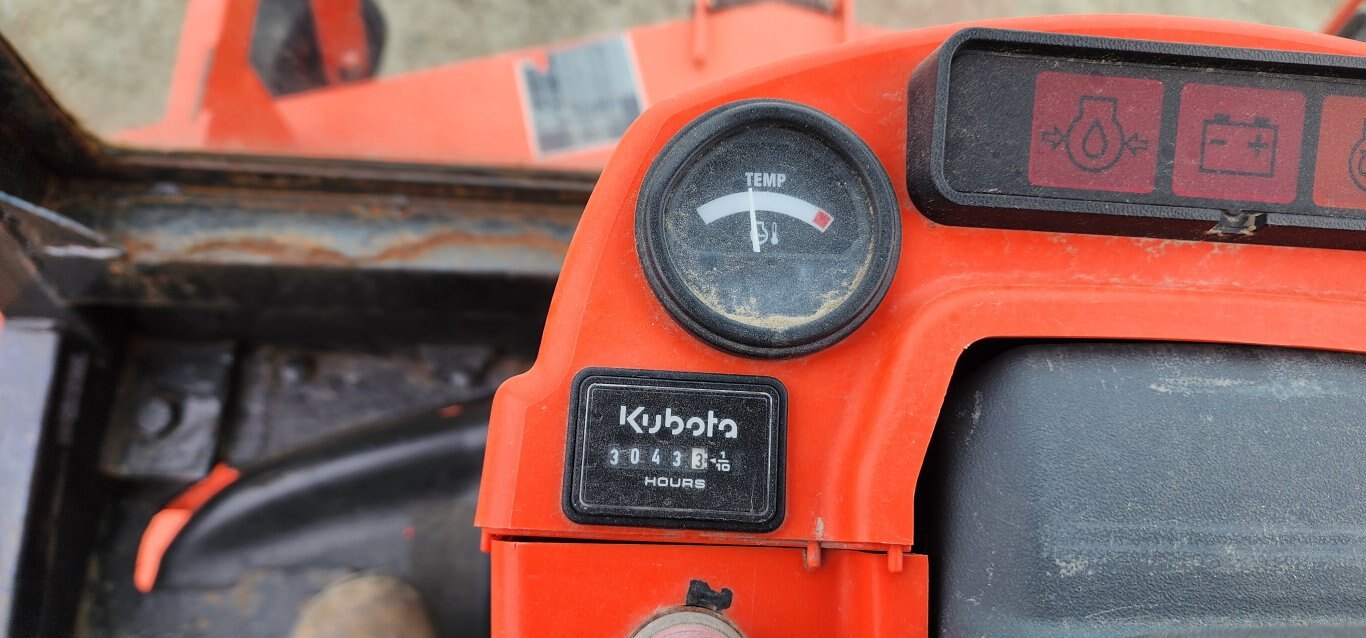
column 166, row 525
column 1341, row 16
column 340, row 29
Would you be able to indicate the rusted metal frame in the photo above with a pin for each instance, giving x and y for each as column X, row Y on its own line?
column 214, row 246
column 194, row 214
column 42, row 254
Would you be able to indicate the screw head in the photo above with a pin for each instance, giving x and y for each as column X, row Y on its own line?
column 298, row 368
column 157, row 415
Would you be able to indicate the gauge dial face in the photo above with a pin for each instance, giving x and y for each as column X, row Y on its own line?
column 769, row 228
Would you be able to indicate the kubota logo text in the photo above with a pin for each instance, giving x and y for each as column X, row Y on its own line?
column 640, row 421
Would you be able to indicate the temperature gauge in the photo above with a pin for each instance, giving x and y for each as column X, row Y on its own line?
column 768, row 228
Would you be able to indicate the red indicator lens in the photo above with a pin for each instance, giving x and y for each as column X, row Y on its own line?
column 1340, row 168
column 1238, row 143
column 1094, row 132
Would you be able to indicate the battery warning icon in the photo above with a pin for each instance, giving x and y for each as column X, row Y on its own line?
column 1238, row 143
column 1238, row 148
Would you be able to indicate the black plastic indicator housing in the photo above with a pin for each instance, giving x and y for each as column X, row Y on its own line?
column 768, row 228
column 674, row 449
column 1028, row 130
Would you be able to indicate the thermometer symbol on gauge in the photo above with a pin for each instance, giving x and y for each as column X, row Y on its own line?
column 752, row 201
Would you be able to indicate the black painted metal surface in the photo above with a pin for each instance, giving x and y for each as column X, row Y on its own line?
column 397, row 498
column 1134, row 489
column 169, row 409
column 290, row 398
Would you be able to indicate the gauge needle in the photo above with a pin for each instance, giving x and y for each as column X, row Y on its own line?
column 753, row 223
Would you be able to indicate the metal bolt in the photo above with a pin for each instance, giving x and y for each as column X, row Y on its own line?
column 298, row 368
column 351, row 67
column 157, row 415
column 460, row 378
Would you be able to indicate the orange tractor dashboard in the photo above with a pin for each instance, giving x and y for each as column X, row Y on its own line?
column 789, row 283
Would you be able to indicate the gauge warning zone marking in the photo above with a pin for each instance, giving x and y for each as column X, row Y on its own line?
column 768, row 201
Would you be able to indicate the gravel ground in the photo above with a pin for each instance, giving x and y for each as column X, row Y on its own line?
column 110, row 60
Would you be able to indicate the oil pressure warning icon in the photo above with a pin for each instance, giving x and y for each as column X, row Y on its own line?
column 1095, row 132
column 1095, row 139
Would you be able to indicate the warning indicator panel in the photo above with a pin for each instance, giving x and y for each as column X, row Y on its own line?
column 1340, row 165
column 1052, row 132
column 1094, row 132
column 1238, row 143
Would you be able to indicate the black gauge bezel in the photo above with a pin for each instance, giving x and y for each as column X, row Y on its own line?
column 722, row 332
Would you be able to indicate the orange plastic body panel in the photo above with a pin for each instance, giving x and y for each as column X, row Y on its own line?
column 575, row 589
column 471, row 112
column 861, row 412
